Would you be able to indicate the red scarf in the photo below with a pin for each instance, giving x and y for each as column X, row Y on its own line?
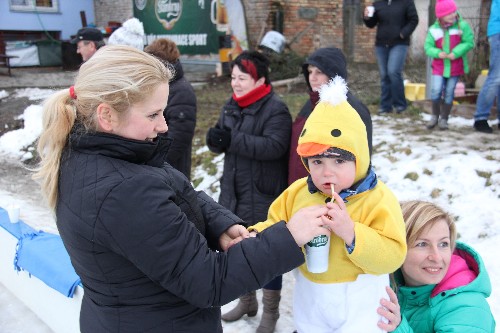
column 253, row 96
column 314, row 97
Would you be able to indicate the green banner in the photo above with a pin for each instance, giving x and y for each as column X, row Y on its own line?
column 194, row 25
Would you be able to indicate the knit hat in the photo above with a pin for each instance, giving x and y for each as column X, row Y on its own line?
column 333, row 152
column 131, row 33
column 335, row 123
column 330, row 60
column 445, row 7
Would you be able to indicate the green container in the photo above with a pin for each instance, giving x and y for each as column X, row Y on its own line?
column 49, row 53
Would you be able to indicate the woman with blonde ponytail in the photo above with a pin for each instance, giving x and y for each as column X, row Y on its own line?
column 153, row 254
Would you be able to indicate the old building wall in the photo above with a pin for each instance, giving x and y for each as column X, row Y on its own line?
column 310, row 24
column 307, row 24
column 112, row 10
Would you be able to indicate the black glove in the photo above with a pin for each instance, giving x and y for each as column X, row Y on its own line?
column 219, row 137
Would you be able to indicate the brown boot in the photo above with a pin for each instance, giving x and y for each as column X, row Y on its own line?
column 247, row 305
column 271, row 313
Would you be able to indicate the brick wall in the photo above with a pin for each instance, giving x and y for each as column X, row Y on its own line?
column 112, row 10
column 364, row 41
column 307, row 24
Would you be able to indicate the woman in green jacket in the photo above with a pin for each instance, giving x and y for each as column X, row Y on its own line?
column 442, row 285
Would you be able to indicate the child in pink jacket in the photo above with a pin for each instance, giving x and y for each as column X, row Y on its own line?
column 447, row 43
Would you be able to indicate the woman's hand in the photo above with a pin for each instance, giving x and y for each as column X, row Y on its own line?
column 233, row 235
column 307, row 223
column 342, row 225
column 390, row 311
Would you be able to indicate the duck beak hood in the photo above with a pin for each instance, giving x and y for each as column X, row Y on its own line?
column 335, row 123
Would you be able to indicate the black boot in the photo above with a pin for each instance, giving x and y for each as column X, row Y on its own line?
column 483, row 126
column 443, row 116
column 436, row 110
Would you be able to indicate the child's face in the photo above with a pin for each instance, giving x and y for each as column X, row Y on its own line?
column 327, row 170
column 450, row 18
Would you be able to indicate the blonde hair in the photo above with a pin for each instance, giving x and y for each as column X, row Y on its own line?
column 117, row 75
column 421, row 214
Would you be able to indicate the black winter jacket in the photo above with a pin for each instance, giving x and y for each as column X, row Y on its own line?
column 395, row 18
column 142, row 241
column 180, row 115
column 256, row 162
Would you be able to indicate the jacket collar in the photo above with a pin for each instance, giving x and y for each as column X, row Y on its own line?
column 133, row 151
column 179, row 71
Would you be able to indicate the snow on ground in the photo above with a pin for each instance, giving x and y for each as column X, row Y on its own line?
column 458, row 169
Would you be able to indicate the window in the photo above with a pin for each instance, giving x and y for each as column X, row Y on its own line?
column 47, row 6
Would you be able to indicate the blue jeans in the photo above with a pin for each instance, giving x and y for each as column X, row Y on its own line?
column 391, row 61
column 491, row 87
column 442, row 85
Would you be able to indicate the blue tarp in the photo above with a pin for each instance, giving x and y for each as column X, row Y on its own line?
column 42, row 255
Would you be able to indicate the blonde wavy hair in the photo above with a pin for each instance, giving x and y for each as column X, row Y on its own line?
column 117, row 75
column 421, row 214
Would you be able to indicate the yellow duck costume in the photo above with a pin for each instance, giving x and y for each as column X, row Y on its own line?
column 380, row 240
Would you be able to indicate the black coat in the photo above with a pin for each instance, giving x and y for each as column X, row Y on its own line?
column 180, row 115
column 394, row 18
column 256, row 162
column 142, row 241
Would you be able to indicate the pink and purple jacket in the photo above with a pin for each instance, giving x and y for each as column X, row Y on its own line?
column 458, row 39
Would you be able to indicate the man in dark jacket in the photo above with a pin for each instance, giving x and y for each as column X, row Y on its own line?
column 88, row 41
column 322, row 65
column 396, row 21
column 180, row 112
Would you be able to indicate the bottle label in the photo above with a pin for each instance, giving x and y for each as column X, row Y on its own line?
column 318, row 241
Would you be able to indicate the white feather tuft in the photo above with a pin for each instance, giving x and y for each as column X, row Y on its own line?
column 333, row 92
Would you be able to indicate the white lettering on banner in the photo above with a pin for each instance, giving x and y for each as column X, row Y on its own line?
column 167, row 7
column 198, row 39
column 182, row 39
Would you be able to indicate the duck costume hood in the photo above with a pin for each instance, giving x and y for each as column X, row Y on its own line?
column 335, row 123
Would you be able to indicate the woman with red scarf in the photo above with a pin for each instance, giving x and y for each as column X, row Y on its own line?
column 253, row 131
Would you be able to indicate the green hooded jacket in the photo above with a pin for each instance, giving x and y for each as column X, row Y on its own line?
column 460, row 309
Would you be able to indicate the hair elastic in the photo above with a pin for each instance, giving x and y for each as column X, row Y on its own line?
column 72, row 92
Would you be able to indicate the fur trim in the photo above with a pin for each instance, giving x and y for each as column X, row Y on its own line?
column 333, row 92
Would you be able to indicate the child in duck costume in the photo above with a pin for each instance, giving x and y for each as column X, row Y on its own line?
column 369, row 240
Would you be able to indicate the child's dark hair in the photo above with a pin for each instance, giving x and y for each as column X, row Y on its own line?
column 260, row 61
